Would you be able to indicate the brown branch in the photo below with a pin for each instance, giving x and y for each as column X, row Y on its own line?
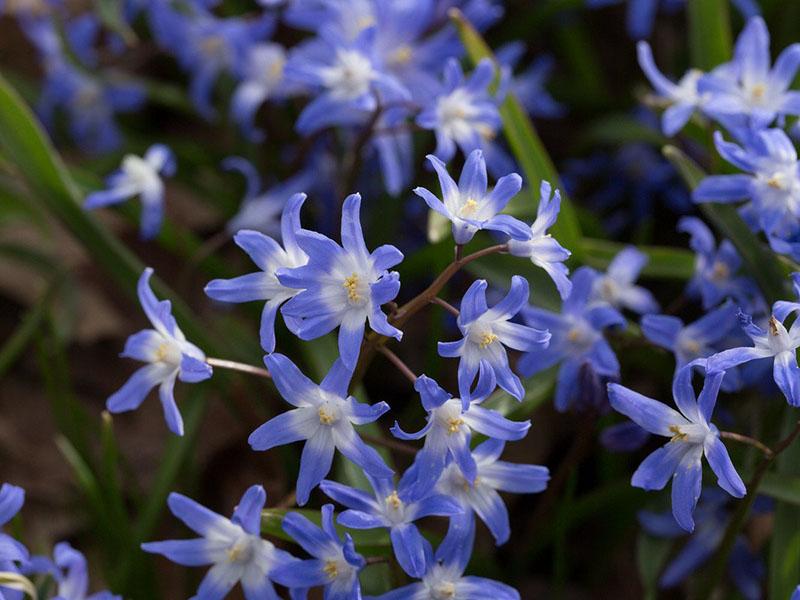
column 445, row 305
column 389, row 443
column 398, row 362
column 745, row 439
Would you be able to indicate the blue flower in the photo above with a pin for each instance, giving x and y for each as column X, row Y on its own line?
column 261, row 209
column 71, row 574
column 449, row 427
column 233, row 546
column 269, row 257
column 576, row 341
column 777, row 344
column 528, row 86
column 493, row 475
column 771, row 186
column 169, row 355
column 11, row 551
column 745, row 568
column 747, row 86
column 335, row 565
column 323, row 416
column 343, row 286
column 616, row 286
column 683, row 98
column 396, row 508
column 486, row 334
column 463, row 114
column 468, row 205
column 544, row 250
column 142, row 177
column 207, row 46
column 716, row 271
column 445, row 576
column 700, row 339
column 350, row 84
column 262, row 80
column 691, row 434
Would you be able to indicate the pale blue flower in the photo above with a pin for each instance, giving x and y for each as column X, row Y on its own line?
column 70, row 572
column 691, row 435
column 487, row 332
column 142, row 177
column 169, row 355
column 233, row 547
column 617, row 288
column 323, row 417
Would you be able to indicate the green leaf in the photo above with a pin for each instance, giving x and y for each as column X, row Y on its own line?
column 781, row 487
column 525, row 144
column 784, row 551
column 709, row 33
column 651, row 556
column 664, row 262
column 760, row 262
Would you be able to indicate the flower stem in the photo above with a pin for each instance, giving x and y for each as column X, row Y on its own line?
column 398, row 362
column 445, row 305
column 389, row 443
column 717, row 566
column 237, row 366
column 745, row 439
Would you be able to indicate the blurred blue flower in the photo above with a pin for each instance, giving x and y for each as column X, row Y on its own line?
column 342, row 286
column 528, row 86
column 716, row 271
column 745, row 568
column 771, row 185
column 700, row 339
column 464, row 114
column 577, row 340
column 70, row 572
column 323, row 416
column 142, row 177
column 616, row 286
column 169, row 355
column 748, row 87
column 233, row 546
column 268, row 255
column 481, row 498
column 691, row 436
column 544, row 250
column 335, row 564
column 486, row 334
column 12, row 552
column 468, row 205
column 449, row 427
column 396, row 508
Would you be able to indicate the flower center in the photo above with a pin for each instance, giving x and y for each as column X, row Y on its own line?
column 720, row 271
column 213, row 46
column 446, row 590
column 487, row 339
column 355, row 288
column 758, row 92
column 331, row 569
column 327, row 416
column 241, row 551
column 168, row 353
column 350, row 76
column 393, row 501
column 401, row 56
column 454, row 424
column 677, row 434
column 470, row 208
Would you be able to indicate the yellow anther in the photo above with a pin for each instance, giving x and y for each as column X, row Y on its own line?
column 365, row 22
column 444, row 591
column 393, row 501
column 758, row 92
column 574, row 335
column 691, row 347
column 351, row 285
column 402, row 55
column 487, row 339
column 239, row 552
column 325, row 417
column 677, row 434
column 454, row 424
column 773, row 325
column 331, row 569
column 275, row 69
column 469, row 208
column 161, row 351
column 774, row 182
column 212, row 45
column 486, row 132
column 720, row 271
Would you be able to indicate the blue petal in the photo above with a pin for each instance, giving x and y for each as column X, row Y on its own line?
column 473, row 181
column 661, row 329
column 686, row 491
column 656, row 470
column 351, row 334
column 431, row 393
column 350, row 497
column 337, row 380
column 492, row 424
column 189, row 553
column 291, row 383
column 516, row 478
column 301, row 574
column 649, row 414
column 248, row 512
column 196, row 516
column 352, row 235
column 193, row 370
column 408, row 546
column 689, row 559
column 353, row 447
column 171, row 413
column 309, row 536
column 787, row 376
column 136, row 389
column 291, row 426
column 11, row 500
column 723, row 188
column 720, row 462
column 245, row 288
column 315, row 463
column 473, row 305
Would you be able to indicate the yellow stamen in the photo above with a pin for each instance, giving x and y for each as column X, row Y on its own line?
column 758, row 91
column 325, row 417
column 720, row 271
column 351, row 285
column 444, row 591
column 774, row 182
column 773, row 325
column 454, row 424
column 487, row 339
column 393, row 501
column 469, row 208
column 678, row 435
column 401, row 56
column 331, row 569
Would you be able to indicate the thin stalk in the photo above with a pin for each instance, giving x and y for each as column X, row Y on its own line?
column 398, row 362
column 746, row 439
column 445, row 305
column 389, row 443
column 237, row 366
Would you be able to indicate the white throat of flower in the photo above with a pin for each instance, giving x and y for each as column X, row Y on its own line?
column 140, row 173
column 350, row 75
